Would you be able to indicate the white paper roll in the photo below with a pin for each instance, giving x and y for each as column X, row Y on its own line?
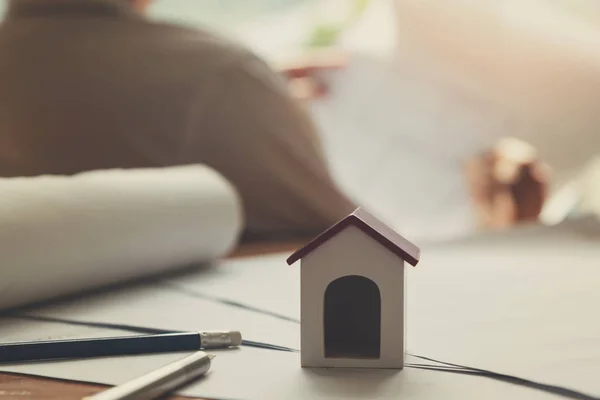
column 60, row 235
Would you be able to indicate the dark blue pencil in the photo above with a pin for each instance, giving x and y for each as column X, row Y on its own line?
column 20, row 352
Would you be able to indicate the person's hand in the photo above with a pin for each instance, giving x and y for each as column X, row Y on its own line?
column 508, row 185
column 305, row 76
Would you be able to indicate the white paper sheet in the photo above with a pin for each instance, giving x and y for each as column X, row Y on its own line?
column 162, row 307
column 510, row 304
column 62, row 234
column 397, row 144
column 252, row 374
column 250, row 281
column 519, row 302
column 532, row 315
column 24, row 330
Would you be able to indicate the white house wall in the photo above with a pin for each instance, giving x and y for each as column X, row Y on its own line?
column 352, row 252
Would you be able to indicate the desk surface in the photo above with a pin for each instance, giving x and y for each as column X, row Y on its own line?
column 22, row 387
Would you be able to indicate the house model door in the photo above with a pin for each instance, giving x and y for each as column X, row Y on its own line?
column 352, row 318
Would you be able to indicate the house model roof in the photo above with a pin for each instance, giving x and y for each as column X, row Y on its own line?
column 371, row 226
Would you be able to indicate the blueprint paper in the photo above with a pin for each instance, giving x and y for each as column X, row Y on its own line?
column 396, row 137
column 13, row 329
column 528, row 294
column 252, row 374
column 66, row 234
column 162, row 307
column 526, row 309
column 522, row 304
column 250, row 281
column 397, row 145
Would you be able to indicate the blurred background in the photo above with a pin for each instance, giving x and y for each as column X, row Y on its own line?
column 439, row 109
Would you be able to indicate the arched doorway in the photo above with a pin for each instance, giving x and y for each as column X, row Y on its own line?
column 352, row 318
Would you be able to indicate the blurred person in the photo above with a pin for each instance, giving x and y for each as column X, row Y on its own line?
column 423, row 82
column 93, row 84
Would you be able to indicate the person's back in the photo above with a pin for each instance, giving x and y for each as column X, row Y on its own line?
column 89, row 84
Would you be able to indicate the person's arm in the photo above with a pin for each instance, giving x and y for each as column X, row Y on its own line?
column 246, row 125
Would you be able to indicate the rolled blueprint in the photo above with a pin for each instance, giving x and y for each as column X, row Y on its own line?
column 65, row 234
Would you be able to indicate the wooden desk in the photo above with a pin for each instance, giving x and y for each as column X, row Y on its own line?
column 23, row 387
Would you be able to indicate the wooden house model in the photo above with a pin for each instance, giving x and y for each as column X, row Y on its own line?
column 353, row 294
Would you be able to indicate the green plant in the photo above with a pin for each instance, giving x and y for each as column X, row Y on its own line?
column 326, row 35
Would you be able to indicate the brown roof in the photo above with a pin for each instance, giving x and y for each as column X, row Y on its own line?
column 373, row 227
